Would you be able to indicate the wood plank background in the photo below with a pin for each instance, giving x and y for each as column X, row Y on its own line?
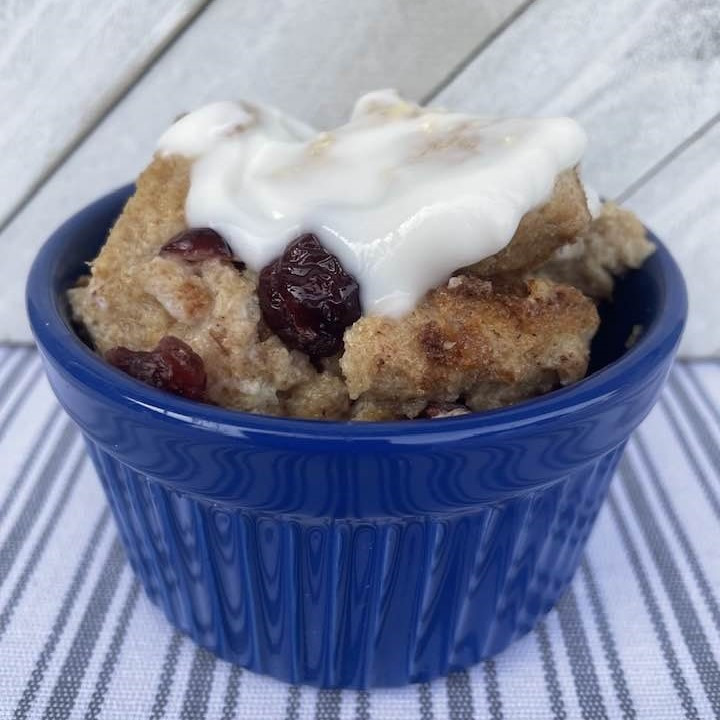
column 87, row 87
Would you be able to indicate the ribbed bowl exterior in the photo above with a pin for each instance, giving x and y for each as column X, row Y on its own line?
column 354, row 603
column 354, row 554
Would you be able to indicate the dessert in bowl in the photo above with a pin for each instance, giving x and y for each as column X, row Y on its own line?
column 356, row 275
column 408, row 261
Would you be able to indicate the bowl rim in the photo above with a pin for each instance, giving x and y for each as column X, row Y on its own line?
column 56, row 339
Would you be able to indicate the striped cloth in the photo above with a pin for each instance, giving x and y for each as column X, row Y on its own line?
column 637, row 635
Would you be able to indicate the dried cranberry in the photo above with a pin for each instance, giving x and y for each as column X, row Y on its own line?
column 173, row 366
column 307, row 298
column 196, row 245
column 444, row 409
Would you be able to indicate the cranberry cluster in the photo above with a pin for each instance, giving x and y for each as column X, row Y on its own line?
column 306, row 298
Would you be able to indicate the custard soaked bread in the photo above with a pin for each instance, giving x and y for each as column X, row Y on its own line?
column 614, row 242
column 136, row 296
column 468, row 303
column 488, row 344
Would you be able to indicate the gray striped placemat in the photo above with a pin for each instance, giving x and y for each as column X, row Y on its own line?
column 637, row 636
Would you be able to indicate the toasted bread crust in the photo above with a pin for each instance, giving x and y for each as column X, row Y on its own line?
column 542, row 231
column 475, row 341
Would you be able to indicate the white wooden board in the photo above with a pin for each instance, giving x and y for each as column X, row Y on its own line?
column 642, row 76
column 61, row 64
column 682, row 204
column 312, row 63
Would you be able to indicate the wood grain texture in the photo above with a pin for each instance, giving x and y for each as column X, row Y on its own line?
column 311, row 63
column 640, row 75
column 643, row 77
column 61, row 63
column 682, row 204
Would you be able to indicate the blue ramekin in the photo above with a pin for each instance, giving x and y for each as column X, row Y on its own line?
column 354, row 555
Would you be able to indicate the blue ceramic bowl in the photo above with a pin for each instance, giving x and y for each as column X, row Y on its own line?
column 354, row 555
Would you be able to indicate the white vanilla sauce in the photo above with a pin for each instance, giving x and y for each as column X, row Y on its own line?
column 402, row 195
